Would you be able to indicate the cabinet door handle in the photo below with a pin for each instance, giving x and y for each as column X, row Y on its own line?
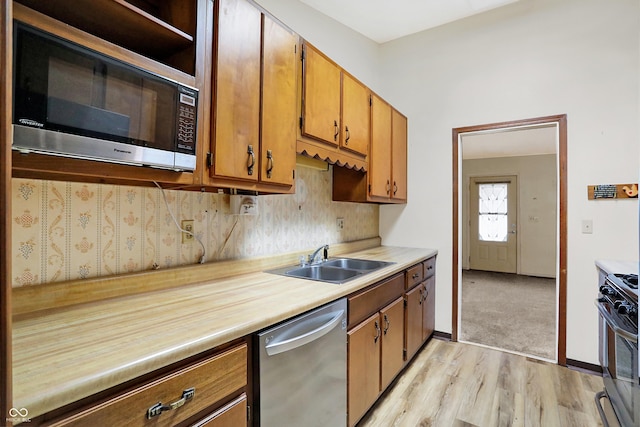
column 269, row 163
column 388, row 187
column 346, row 141
column 251, row 160
column 421, row 297
column 386, row 324
column 159, row 408
column 336, row 131
column 375, row 339
column 395, row 188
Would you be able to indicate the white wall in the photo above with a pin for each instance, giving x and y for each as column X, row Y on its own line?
column 528, row 59
column 536, row 214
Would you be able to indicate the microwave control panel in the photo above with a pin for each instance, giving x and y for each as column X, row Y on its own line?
column 186, row 123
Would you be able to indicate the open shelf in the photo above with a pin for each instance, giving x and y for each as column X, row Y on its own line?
column 129, row 26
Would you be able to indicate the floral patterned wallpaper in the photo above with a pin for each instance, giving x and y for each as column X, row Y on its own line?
column 63, row 231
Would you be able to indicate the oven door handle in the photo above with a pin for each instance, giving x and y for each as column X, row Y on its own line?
column 612, row 324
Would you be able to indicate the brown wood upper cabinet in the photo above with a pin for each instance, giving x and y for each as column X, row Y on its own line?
column 356, row 113
column 335, row 112
column 398, row 156
column 388, row 171
column 321, row 97
column 254, row 100
column 386, row 179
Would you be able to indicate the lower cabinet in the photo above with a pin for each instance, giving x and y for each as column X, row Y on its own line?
column 388, row 323
column 363, row 369
column 419, row 315
column 428, row 307
column 179, row 397
column 234, row 414
column 375, row 349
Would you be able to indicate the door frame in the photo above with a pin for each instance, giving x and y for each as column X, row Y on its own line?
column 561, row 258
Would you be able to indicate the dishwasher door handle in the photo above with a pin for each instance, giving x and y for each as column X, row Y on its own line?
column 277, row 347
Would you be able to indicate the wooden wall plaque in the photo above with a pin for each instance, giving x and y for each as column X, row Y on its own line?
column 612, row 191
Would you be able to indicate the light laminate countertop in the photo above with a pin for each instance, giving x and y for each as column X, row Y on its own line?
column 63, row 355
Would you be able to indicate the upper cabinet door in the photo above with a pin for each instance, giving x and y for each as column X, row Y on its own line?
column 356, row 115
column 321, row 97
column 237, row 91
column 278, row 142
column 399, row 156
column 379, row 163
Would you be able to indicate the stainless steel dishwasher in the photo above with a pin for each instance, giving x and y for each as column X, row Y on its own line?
column 302, row 365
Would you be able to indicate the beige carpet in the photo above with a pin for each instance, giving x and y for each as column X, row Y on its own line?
column 510, row 312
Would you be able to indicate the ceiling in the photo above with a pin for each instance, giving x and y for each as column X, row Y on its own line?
column 386, row 20
column 525, row 141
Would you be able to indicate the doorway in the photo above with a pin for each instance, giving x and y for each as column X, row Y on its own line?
column 497, row 215
column 493, row 223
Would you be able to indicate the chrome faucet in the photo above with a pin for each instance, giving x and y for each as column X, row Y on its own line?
column 325, row 254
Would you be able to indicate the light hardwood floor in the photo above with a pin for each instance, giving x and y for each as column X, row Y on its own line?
column 455, row 384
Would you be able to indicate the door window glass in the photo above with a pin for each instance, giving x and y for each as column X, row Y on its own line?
column 492, row 219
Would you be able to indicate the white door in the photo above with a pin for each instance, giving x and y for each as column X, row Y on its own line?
column 493, row 224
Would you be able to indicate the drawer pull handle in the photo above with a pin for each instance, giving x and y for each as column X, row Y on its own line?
column 415, row 276
column 159, row 408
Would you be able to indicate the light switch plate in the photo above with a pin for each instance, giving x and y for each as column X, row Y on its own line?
column 587, row 226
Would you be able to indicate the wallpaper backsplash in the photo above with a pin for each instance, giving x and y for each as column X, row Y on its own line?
column 64, row 231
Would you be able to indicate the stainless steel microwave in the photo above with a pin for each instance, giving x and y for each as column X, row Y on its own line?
column 69, row 100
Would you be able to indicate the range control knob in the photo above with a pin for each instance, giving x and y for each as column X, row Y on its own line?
column 607, row 290
column 625, row 308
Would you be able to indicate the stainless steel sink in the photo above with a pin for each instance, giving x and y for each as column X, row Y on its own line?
column 337, row 270
column 356, row 264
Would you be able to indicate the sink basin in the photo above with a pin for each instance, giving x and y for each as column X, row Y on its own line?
column 322, row 273
column 356, row 264
column 336, row 270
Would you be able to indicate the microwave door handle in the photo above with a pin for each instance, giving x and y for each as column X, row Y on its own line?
column 612, row 324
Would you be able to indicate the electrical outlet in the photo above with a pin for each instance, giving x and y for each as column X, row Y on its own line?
column 340, row 224
column 187, row 224
column 587, row 226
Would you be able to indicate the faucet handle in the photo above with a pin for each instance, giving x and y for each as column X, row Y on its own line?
column 325, row 253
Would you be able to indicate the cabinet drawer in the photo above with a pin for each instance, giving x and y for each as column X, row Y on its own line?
column 414, row 275
column 211, row 380
column 429, row 267
column 364, row 304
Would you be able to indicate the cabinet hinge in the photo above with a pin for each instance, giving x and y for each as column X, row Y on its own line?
column 301, row 121
column 209, row 159
column 370, row 100
column 302, row 53
column 404, row 353
column 405, row 301
column 249, row 413
column 369, row 188
column 294, row 173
